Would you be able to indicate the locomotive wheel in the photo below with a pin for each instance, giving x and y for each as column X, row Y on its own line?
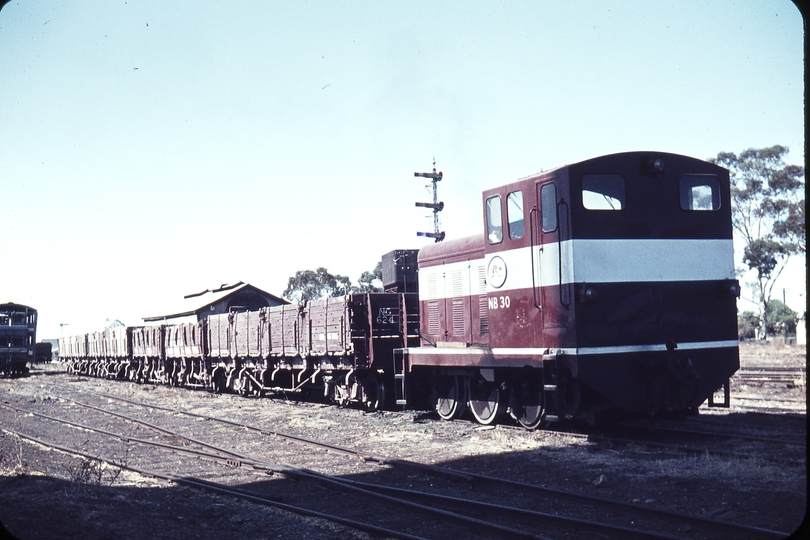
column 486, row 400
column 451, row 397
column 373, row 392
column 530, row 411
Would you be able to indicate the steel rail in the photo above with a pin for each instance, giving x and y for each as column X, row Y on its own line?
column 444, row 471
column 695, row 450
column 737, row 436
column 360, row 487
column 221, row 488
column 128, row 439
column 365, row 456
column 291, row 471
column 519, row 511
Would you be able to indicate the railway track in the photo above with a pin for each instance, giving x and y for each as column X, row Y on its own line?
column 772, row 375
column 467, row 494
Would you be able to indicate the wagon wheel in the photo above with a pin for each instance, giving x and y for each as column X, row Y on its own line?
column 243, row 385
column 373, row 392
column 218, row 381
column 530, row 410
column 451, row 397
column 172, row 374
column 486, row 400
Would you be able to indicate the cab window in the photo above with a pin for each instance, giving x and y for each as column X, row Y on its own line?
column 699, row 192
column 548, row 207
column 603, row 191
column 494, row 220
column 514, row 214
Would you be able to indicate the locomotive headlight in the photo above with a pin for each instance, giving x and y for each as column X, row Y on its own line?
column 734, row 289
column 586, row 294
column 730, row 288
column 653, row 166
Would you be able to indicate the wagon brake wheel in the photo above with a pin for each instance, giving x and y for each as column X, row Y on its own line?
column 486, row 400
column 373, row 392
column 451, row 397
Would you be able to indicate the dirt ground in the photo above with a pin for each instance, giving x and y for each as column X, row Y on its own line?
column 46, row 494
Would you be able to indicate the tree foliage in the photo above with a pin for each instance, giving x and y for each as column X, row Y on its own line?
column 366, row 282
column 308, row 285
column 747, row 324
column 780, row 319
column 767, row 204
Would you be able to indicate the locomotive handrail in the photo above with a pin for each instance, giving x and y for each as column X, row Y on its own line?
column 566, row 302
column 532, row 221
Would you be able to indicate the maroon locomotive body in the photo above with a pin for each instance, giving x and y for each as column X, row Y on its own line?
column 598, row 286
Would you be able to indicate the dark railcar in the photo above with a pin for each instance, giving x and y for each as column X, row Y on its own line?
column 44, row 352
column 18, row 338
column 341, row 347
column 606, row 284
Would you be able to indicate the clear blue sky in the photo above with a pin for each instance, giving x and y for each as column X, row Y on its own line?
column 153, row 149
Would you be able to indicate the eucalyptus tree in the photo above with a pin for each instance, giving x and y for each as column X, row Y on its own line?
column 767, row 203
column 308, row 285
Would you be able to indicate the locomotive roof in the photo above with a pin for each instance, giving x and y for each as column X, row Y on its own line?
column 8, row 306
column 638, row 154
column 460, row 247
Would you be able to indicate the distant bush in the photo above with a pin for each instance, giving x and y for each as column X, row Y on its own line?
column 747, row 325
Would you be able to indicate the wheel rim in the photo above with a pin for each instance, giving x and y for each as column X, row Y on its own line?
column 531, row 411
column 451, row 399
column 486, row 402
column 373, row 392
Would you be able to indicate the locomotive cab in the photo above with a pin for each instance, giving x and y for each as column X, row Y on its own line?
column 605, row 284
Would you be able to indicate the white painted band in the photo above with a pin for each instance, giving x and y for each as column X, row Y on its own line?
column 535, row 351
column 586, row 261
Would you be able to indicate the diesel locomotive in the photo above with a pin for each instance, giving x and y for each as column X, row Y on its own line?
column 605, row 286
column 18, row 329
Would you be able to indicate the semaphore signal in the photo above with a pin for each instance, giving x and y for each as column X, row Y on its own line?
column 436, row 206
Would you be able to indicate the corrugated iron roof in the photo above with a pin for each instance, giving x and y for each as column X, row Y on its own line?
column 195, row 302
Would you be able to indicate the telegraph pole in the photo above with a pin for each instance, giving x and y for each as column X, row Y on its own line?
column 436, row 206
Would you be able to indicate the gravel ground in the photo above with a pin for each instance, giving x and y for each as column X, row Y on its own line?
column 48, row 494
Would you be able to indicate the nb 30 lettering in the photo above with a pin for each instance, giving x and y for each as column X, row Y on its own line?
column 499, row 302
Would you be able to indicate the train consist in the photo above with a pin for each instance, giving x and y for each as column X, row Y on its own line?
column 605, row 286
column 18, row 338
column 339, row 346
